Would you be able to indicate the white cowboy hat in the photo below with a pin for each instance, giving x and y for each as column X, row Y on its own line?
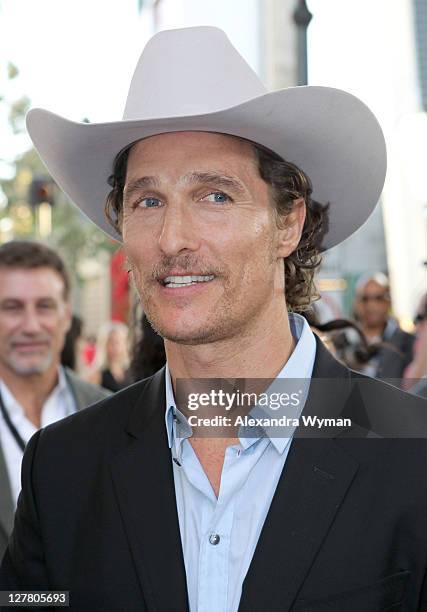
column 194, row 79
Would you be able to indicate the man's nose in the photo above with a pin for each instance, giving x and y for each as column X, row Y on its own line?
column 178, row 232
column 30, row 322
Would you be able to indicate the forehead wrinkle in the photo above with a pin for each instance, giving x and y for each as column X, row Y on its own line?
column 26, row 299
column 143, row 182
column 220, row 180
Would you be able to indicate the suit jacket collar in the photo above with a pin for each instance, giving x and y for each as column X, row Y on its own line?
column 317, row 474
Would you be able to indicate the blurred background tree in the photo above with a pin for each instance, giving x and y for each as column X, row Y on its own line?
column 56, row 221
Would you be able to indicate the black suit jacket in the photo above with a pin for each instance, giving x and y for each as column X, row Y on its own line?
column 346, row 530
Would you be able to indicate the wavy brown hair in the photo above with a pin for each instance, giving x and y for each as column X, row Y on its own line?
column 287, row 183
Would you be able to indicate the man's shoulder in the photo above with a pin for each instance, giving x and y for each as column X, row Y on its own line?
column 86, row 393
column 377, row 388
column 76, row 450
column 110, row 413
column 387, row 410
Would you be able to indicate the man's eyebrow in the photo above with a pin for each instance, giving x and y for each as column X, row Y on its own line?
column 214, row 179
column 143, row 182
column 217, row 180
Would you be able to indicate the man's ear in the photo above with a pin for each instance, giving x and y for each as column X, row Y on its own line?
column 290, row 228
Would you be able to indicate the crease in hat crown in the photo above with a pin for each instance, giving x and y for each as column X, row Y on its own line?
column 190, row 71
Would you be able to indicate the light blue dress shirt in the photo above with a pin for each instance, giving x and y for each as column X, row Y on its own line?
column 219, row 536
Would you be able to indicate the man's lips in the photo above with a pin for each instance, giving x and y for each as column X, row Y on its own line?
column 29, row 347
column 181, row 274
column 184, row 284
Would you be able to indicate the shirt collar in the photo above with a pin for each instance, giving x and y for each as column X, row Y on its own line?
column 62, row 381
column 299, row 365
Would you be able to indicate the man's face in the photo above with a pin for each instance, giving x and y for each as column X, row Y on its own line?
column 372, row 304
column 201, row 235
column 34, row 318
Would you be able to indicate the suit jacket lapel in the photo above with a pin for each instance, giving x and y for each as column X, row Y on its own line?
column 313, row 484
column 143, row 480
column 6, row 501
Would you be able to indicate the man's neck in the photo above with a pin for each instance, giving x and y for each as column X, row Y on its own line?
column 374, row 331
column 31, row 391
column 261, row 353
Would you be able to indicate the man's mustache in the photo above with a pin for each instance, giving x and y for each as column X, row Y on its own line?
column 186, row 263
column 42, row 338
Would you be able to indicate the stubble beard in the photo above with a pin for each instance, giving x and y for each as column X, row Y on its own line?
column 213, row 328
column 229, row 317
column 216, row 327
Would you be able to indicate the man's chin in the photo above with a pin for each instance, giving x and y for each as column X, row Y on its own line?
column 187, row 334
column 187, row 337
column 30, row 367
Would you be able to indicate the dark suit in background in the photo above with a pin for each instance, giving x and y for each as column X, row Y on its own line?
column 392, row 363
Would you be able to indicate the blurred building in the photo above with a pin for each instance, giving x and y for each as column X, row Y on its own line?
column 262, row 30
column 375, row 50
column 420, row 24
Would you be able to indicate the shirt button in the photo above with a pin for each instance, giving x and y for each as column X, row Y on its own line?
column 214, row 539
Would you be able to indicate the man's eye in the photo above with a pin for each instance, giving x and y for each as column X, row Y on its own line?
column 217, row 197
column 148, row 203
column 10, row 307
column 46, row 306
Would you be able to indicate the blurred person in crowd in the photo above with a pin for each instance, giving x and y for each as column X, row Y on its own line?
column 110, row 368
column 148, row 354
column 211, row 193
column 372, row 312
column 35, row 390
column 416, row 372
column 333, row 335
column 347, row 342
column 71, row 353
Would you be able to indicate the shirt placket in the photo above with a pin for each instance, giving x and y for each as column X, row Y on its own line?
column 214, row 556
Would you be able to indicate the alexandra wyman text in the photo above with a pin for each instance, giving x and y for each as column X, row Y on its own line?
column 247, row 421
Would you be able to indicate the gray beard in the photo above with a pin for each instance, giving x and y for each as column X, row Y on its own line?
column 37, row 368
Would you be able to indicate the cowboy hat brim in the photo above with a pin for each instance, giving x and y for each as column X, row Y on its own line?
column 328, row 133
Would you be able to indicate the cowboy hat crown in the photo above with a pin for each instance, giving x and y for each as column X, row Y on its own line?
column 194, row 79
column 185, row 71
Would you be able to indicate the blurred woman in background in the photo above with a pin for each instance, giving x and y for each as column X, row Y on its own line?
column 112, row 357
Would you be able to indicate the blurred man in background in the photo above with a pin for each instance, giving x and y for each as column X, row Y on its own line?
column 35, row 390
column 372, row 312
